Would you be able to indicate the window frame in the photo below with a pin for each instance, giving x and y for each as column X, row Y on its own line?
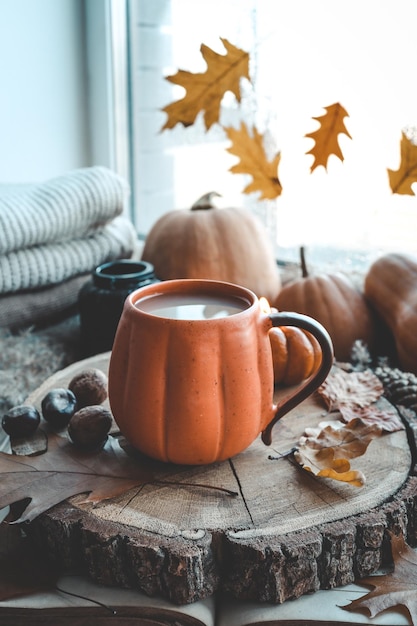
column 108, row 99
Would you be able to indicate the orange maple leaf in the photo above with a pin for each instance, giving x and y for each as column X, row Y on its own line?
column 205, row 90
column 326, row 136
column 253, row 160
column 398, row 588
column 401, row 180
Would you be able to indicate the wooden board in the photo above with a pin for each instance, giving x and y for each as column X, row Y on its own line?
column 284, row 534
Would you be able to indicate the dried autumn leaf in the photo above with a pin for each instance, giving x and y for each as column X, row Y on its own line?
column 65, row 471
column 205, row 90
column 326, row 451
column 386, row 418
column 328, row 467
column 359, row 389
column 398, row 588
column 326, row 136
column 401, row 180
column 344, row 440
column 253, row 161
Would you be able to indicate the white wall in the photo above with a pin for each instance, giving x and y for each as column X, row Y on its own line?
column 43, row 118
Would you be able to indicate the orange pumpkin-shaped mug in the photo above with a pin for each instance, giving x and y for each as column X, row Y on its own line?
column 191, row 373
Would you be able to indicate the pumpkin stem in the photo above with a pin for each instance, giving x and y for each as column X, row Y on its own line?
column 303, row 262
column 205, row 202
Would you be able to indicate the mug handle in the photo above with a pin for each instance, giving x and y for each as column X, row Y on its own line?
column 320, row 333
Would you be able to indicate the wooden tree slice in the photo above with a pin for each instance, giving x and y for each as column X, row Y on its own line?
column 283, row 534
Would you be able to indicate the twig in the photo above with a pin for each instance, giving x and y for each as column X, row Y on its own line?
column 228, row 492
column 78, row 595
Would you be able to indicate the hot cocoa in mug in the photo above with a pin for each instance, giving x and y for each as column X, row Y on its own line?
column 191, row 376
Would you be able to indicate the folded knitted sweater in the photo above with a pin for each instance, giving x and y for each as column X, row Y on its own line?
column 49, row 264
column 42, row 306
column 67, row 207
column 64, row 227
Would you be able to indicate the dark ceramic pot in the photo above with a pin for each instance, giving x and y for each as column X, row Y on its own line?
column 101, row 301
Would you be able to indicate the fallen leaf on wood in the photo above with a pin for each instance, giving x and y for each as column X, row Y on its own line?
column 346, row 440
column 65, row 471
column 358, row 389
column 387, row 418
column 205, row 90
column 326, row 136
column 342, row 472
column 401, row 180
column 23, row 569
column 326, row 451
column 398, row 588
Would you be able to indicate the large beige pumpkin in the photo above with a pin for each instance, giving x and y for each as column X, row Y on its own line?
column 228, row 244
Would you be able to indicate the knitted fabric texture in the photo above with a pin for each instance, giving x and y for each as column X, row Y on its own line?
column 41, row 307
column 67, row 207
column 39, row 266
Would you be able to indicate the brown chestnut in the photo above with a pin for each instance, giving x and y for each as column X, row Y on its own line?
column 89, row 426
column 89, row 387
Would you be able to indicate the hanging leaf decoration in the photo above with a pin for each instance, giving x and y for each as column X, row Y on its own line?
column 205, row 90
column 327, row 135
column 253, row 161
column 401, row 180
column 398, row 588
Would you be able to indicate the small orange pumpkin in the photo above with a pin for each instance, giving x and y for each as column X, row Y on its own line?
column 296, row 354
column 335, row 302
column 227, row 244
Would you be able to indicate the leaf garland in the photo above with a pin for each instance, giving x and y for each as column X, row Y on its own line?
column 205, row 90
column 253, row 161
column 401, row 180
column 204, row 93
column 326, row 136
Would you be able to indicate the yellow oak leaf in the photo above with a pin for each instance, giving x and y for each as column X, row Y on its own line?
column 326, row 136
column 401, row 180
column 397, row 588
column 205, row 90
column 253, row 161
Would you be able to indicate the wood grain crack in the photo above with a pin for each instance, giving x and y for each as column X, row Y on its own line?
column 239, row 484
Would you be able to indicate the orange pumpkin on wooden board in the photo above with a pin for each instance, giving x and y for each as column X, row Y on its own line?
column 296, row 354
column 228, row 244
column 391, row 287
column 335, row 302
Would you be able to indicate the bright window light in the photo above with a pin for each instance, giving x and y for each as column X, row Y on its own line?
column 305, row 55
